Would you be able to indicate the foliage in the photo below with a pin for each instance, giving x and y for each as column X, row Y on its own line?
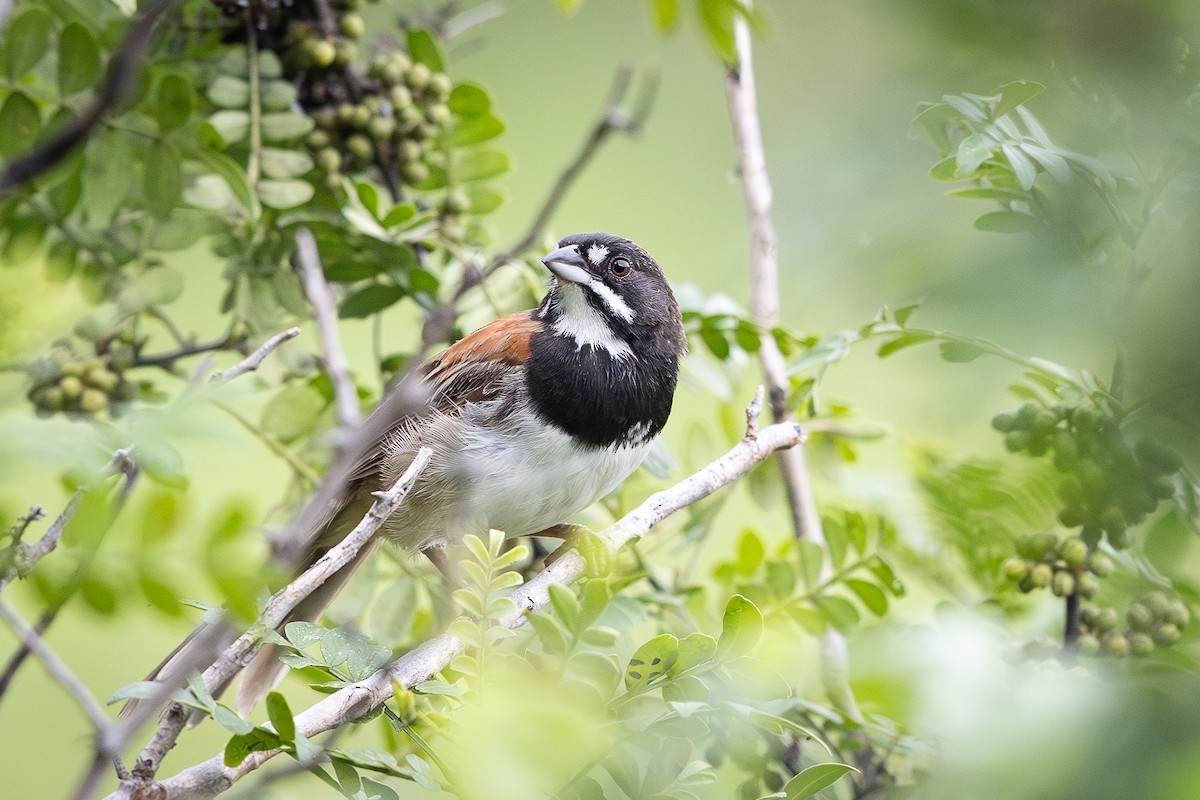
column 704, row 662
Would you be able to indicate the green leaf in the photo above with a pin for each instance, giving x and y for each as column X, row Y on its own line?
column 814, row 779
column 477, row 165
column 226, row 91
column 651, row 661
column 718, row 17
column 25, row 41
column 230, row 126
column 1006, row 222
column 972, row 151
column 303, row 634
column 470, row 100
column 243, row 745
column 209, row 192
column 562, row 599
column 21, row 122
column 400, row 213
column 870, row 594
column 473, row 130
column 284, row 194
column 666, row 14
column 162, row 179
column 904, row 340
column 138, row 690
column 1015, row 94
column 750, row 552
column 281, row 716
column 292, row 413
column 370, row 300
column 945, row 170
column 78, row 59
column 960, row 352
column 694, row 650
column 278, row 96
column 835, row 541
column 425, row 49
column 741, row 628
column 235, row 176
column 278, row 162
column 285, row 126
column 886, row 576
column 838, row 610
column 1050, row 161
column 1022, row 166
column 484, row 200
column 172, row 101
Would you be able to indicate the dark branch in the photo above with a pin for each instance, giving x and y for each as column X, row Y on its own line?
column 123, row 70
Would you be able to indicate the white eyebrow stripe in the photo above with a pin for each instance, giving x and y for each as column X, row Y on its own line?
column 611, row 299
column 597, row 253
column 586, row 325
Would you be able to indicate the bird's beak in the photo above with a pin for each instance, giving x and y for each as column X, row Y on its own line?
column 567, row 263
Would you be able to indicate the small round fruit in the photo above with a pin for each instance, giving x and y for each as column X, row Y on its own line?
column 352, row 25
column 100, row 378
column 400, row 96
column 344, row 53
column 320, row 52
column 1089, row 613
column 1158, row 603
column 124, row 391
column 1140, row 644
column 329, row 160
column 438, row 114
column 382, row 127
column 1177, row 614
column 1088, row 585
column 1016, row 441
column 332, row 181
column 1107, row 620
column 1139, row 616
column 50, row 398
column 1063, row 584
column 1073, row 551
column 414, row 172
column 325, row 117
column 70, row 386
column 1166, row 634
column 457, row 201
column 1016, row 569
column 418, row 77
column 1101, row 565
column 92, row 401
column 346, row 113
column 410, row 150
column 1005, row 421
column 1088, row 645
column 317, row 139
column 359, row 147
column 1041, row 576
column 1116, row 645
column 440, row 86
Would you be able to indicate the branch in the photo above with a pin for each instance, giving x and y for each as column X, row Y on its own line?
column 123, row 71
column 237, row 655
column 210, row 778
column 764, row 307
column 317, row 289
column 59, row 671
column 252, row 361
column 39, row 549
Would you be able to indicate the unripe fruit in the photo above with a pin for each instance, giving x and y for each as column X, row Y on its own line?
column 400, row 96
column 1005, row 421
column 332, row 181
column 344, row 53
column 1177, row 614
column 1088, row 585
column 1015, row 569
column 438, row 114
column 1071, row 517
column 440, row 85
column 400, row 60
column 70, row 386
column 124, row 391
column 1063, row 584
column 100, row 378
column 1101, row 565
column 321, row 52
column 382, row 127
column 1158, row 603
column 1116, row 645
column 1070, row 490
column 50, row 398
column 1089, row 613
column 325, row 117
column 329, row 160
column 1141, row 644
column 317, row 139
column 418, row 77
column 1107, row 620
column 1139, row 617
column 1041, row 575
column 362, row 117
column 346, row 113
column 72, row 368
column 1073, row 551
column 410, row 150
column 352, row 25
column 457, row 201
column 414, row 172
column 1016, row 441
column 1088, row 645
column 359, row 147
column 92, row 401
column 1166, row 634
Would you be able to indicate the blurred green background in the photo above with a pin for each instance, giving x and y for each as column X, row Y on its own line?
column 860, row 225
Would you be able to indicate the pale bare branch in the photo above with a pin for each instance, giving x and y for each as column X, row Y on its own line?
column 251, row 362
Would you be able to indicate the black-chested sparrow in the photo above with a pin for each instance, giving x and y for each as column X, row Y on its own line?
column 531, row 418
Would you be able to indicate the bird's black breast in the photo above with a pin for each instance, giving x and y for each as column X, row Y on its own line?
column 597, row 398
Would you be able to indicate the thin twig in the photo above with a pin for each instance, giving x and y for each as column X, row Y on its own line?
column 237, row 655
column 49, row 540
column 344, row 393
column 209, row 778
column 764, row 306
column 123, row 71
column 252, row 361
column 58, row 670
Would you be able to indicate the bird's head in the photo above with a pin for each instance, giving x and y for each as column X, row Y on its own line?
column 609, row 293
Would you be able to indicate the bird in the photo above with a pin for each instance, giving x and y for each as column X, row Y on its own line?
column 531, row 418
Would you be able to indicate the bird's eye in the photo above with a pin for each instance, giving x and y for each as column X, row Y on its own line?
column 619, row 267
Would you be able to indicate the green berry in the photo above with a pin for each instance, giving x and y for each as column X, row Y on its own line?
column 418, row 77
column 329, row 160
column 359, row 147
column 457, row 201
column 332, row 181
column 1088, row 645
column 440, row 86
column 362, row 117
column 1107, row 620
column 317, row 139
column 382, row 128
column 320, row 52
column 1116, row 645
column 1063, row 584
column 92, row 401
column 1088, row 585
column 1073, row 551
column 1139, row 617
column 1177, row 614
column 1071, row 517
column 124, row 391
column 1101, row 565
column 1016, row 569
column 1089, row 613
column 400, row 96
column 50, row 398
column 346, row 113
column 1141, row 644
column 414, row 172
column 344, row 53
column 1005, row 421
column 1166, row 634
column 1158, row 603
column 71, row 386
column 352, row 25
column 1016, row 441
column 325, row 117
column 438, row 114
column 1041, row 575
column 410, row 150
column 100, row 378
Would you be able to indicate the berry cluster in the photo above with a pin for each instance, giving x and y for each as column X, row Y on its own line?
column 1107, row 485
column 1064, row 566
column 401, row 114
column 1155, row 620
column 85, row 386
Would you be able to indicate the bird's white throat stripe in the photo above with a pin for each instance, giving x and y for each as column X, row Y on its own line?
column 583, row 323
column 611, row 299
column 596, row 253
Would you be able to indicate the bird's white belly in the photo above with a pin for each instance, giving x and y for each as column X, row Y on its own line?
column 526, row 475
